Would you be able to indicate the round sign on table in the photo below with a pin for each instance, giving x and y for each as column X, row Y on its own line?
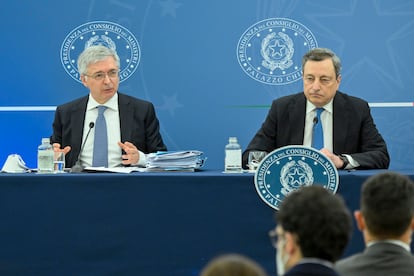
column 286, row 169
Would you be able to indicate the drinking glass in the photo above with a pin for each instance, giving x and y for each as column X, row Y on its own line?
column 59, row 162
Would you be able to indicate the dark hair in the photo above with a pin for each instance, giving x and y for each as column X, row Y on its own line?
column 387, row 204
column 319, row 54
column 320, row 221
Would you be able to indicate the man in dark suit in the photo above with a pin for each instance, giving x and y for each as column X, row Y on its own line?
column 132, row 128
column 313, row 229
column 350, row 137
column 386, row 220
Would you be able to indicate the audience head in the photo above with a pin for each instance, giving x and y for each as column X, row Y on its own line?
column 311, row 223
column 387, row 207
column 232, row 265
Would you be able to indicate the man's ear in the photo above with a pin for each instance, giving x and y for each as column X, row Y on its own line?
column 291, row 243
column 84, row 80
column 360, row 221
column 339, row 78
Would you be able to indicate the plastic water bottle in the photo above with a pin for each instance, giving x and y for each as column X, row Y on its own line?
column 45, row 156
column 233, row 156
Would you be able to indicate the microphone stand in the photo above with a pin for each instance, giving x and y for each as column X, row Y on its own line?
column 78, row 167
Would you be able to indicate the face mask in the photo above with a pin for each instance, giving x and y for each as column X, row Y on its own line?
column 281, row 259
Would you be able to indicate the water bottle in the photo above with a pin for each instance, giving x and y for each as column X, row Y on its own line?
column 233, row 156
column 45, row 156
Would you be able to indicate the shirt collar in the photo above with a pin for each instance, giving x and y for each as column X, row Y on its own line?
column 316, row 261
column 396, row 242
column 310, row 107
column 112, row 103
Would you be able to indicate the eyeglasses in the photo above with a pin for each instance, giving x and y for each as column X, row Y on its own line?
column 274, row 237
column 112, row 74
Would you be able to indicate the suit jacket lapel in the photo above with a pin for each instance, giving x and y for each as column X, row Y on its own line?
column 125, row 117
column 297, row 115
column 77, row 123
column 340, row 123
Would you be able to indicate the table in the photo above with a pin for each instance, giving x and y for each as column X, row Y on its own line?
column 138, row 223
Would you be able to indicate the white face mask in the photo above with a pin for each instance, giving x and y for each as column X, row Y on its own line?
column 281, row 258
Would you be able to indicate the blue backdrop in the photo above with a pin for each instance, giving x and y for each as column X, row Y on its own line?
column 193, row 63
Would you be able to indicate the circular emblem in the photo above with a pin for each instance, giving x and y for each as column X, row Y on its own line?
column 288, row 168
column 105, row 33
column 271, row 50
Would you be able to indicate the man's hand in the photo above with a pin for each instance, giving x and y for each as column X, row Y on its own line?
column 334, row 158
column 56, row 148
column 131, row 156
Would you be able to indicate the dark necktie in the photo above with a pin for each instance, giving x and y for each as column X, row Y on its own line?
column 100, row 144
column 317, row 137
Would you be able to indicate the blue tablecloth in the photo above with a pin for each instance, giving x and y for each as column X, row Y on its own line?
column 138, row 223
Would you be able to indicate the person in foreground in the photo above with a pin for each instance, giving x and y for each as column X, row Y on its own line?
column 232, row 265
column 386, row 220
column 313, row 229
column 131, row 127
column 348, row 136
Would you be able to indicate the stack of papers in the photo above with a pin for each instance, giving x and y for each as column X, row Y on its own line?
column 175, row 160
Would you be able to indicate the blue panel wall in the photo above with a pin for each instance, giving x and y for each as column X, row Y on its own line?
column 189, row 66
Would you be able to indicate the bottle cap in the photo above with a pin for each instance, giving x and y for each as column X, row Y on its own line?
column 45, row 140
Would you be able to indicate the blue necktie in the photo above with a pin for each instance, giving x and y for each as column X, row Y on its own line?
column 317, row 138
column 100, row 144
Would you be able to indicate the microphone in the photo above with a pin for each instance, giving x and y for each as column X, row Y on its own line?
column 315, row 120
column 78, row 167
